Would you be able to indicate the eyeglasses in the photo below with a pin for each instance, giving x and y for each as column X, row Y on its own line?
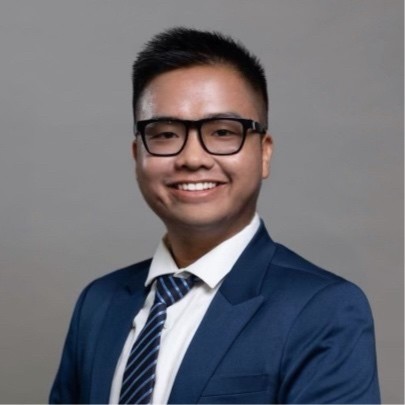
column 218, row 136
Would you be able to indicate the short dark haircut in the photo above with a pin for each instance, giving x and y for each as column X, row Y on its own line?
column 181, row 47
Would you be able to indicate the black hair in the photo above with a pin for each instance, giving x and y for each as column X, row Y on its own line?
column 181, row 47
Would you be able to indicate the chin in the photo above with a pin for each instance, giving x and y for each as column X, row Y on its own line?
column 203, row 223
column 196, row 222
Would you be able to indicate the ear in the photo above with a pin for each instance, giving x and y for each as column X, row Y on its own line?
column 267, row 150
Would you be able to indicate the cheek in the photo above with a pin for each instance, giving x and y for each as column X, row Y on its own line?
column 150, row 174
column 245, row 173
column 248, row 164
column 147, row 166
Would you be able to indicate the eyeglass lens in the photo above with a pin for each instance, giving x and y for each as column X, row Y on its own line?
column 220, row 136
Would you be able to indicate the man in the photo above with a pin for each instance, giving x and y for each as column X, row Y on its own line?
column 243, row 319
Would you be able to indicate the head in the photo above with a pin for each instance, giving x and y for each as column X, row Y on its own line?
column 190, row 75
column 179, row 48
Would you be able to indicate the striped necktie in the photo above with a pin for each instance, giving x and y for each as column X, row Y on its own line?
column 140, row 372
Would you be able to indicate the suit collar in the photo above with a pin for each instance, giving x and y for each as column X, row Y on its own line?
column 213, row 266
column 137, row 280
column 245, row 279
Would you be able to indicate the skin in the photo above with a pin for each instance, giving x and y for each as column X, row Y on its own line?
column 197, row 221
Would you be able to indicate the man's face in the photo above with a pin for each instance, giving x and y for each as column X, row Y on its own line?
column 231, row 183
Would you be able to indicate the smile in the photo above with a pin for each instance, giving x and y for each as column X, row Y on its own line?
column 196, row 186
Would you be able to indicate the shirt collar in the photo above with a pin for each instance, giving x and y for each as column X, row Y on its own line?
column 210, row 268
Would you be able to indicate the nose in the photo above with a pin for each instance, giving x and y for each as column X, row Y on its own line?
column 193, row 156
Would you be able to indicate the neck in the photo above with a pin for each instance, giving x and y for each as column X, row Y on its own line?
column 188, row 245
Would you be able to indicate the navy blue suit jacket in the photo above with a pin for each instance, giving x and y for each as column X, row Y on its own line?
column 279, row 330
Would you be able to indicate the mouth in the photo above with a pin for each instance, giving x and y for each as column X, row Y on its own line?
column 198, row 186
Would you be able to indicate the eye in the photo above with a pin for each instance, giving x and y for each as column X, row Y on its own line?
column 163, row 131
column 163, row 136
column 223, row 132
column 222, row 129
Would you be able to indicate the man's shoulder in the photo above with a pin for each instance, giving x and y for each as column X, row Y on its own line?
column 283, row 263
column 290, row 264
column 120, row 278
column 124, row 273
column 297, row 280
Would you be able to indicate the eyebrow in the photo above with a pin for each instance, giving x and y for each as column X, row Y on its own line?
column 228, row 114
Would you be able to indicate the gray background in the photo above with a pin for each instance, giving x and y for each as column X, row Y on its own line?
column 70, row 208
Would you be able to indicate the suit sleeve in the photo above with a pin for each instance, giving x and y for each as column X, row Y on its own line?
column 329, row 356
column 66, row 388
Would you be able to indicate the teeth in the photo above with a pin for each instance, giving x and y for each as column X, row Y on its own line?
column 196, row 186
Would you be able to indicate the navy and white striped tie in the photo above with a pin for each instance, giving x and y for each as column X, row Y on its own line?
column 140, row 372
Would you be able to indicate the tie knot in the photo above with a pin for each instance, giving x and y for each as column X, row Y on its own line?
column 170, row 289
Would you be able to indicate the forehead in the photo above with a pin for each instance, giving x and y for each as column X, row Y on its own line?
column 199, row 91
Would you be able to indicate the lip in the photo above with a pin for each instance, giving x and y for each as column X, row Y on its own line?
column 192, row 186
column 177, row 183
column 183, row 191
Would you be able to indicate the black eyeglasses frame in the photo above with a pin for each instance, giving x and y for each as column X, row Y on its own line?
column 248, row 124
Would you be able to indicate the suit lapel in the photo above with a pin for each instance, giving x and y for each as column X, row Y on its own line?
column 117, row 323
column 235, row 304
column 209, row 345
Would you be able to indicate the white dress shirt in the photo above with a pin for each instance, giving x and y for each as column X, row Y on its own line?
column 184, row 316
